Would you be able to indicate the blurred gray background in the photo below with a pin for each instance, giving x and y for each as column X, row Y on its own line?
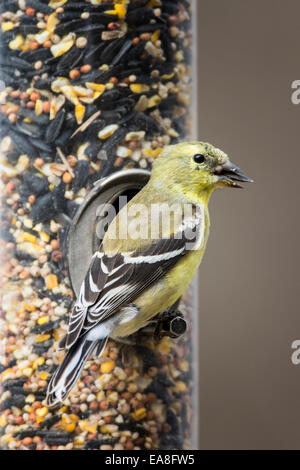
column 249, row 54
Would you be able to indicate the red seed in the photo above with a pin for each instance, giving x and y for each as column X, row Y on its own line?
column 30, row 11
column 85, row 68
column 103, row 405
column 10, row 187
column 113, row 26
column 67, row 177
column 173, row 20
column 31, row 199
column 54, row 244
column 27, row 441
column 113, row 80
column 46, row 107
column 33, row 45
column 35, row 96
column 94, row 405
column 129, row 445
column 39, row 162
column 74, row 74
column 30, row 104
column 15, row 93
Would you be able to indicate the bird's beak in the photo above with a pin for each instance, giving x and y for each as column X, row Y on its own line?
column 229, row 175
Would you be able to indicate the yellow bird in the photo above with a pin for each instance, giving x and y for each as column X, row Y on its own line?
column 148, row 256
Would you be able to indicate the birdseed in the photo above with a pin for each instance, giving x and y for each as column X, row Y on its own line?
column 90, row 87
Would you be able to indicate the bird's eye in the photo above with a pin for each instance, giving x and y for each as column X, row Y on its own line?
column 198, row 158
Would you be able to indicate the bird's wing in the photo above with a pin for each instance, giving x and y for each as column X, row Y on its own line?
column 115, row 281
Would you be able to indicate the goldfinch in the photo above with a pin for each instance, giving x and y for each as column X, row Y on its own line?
column 132, row 278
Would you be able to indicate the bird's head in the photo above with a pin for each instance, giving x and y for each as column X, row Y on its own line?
column 196, row 167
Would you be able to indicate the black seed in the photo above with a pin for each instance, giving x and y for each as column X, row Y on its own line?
column 136, row 4
column 23, row 257
column 65, row 135
column 48, row 422
column 81, row 175
column 41, row 348
column 93, row 53
column 125, row 48
column 36, row 184
column 145, row 122
column 149, row 357
column 110, row 95
column 54, row 128
column 70, row 59
column 149, row 28
column 170, row 8
column 25, row 29
column 43, row 209
column 45, row 328
column 53, row 438
column 90, row 28
column 139, row 16
column 96, row 443
column 71, row 208
column 43, row 84
column 22, row 144
column 38, row 283
column 83, row 6
column 16, row 400
column 167, row 47
column 59, row 200
column 114, row 140
column 12, row 61
column 42, row 120
column 32, row 130
column 8, row 384
column 30, row 432
column 111, row 50
column 41, row 144
column 67, row 26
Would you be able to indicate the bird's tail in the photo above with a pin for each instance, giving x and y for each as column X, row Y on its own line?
column 68, row 372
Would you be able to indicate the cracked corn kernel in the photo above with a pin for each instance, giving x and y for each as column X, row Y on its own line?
column 64, row 45
column 16, row 43
column 109, row 428
column 108, row 131
column 28, row 307
column 41, row 338
column 29, row 237
column 155, row 35
column 107, row 366
column 79, row 113
column 139, row 88
column 41, row 412
column 121, row 10
column 154, row 101
column 7, row 26
column 38, row 362
column 27, row 371
column 51, row 281
column 44, row 375
column 139, row 414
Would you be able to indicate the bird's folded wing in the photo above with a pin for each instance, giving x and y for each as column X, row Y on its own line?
column 117, row 280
